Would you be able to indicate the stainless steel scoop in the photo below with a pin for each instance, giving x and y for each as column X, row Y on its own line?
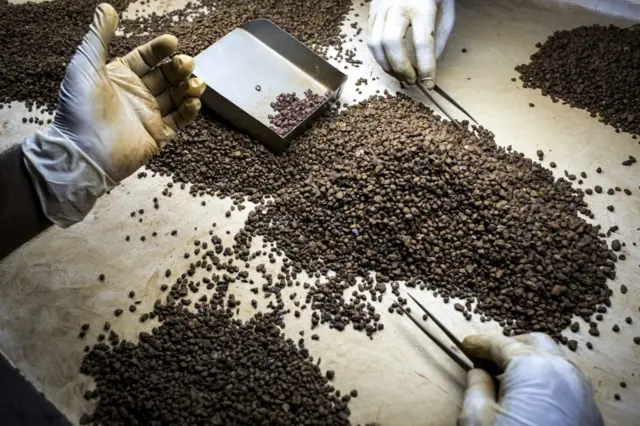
column 249, row 67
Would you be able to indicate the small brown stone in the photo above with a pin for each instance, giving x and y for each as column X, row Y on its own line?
column 615, row 245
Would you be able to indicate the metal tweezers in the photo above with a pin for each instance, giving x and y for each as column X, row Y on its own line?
column 444, row 94
column 477, row 362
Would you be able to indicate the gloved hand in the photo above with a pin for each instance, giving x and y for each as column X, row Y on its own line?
column 110, row 119
column 539, row 385
column 431, row 22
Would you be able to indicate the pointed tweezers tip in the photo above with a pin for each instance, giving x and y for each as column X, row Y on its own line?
column 458, row 360
column 445, row 95
column 432, row 99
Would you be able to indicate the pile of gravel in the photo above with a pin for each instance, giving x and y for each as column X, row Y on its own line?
column 386, row 187
column 290, row 110
column 207, row 368
column 39, row 39
column 383, row 187
column 596, row 68
column 315, row 23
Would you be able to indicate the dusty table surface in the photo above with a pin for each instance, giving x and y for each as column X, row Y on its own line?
column 50, row 286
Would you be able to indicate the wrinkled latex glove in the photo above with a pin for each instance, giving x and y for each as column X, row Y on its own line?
column 110, row 119
column 431, row 22
column 539, row 385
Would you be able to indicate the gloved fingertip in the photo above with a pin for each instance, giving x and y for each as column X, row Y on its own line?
column 105, row 5
column 473, row 341
column 428, row 83
column 105, row 20
column 411, row 80
column 482, row 346
column 190, row 108
column 195, row 87
column 184, row 64
column 185, row 114
column 426, row 69
column 159, row 48
column 108, row 11
column 197, row 82
column 405, row 74
column 168, row 43
column 496, row 348
column 170, row 129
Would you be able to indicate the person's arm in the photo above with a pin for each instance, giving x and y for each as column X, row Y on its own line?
column 21, row 217
column 111, row 118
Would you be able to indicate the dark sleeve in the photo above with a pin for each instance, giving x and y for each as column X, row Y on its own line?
column 21, row 216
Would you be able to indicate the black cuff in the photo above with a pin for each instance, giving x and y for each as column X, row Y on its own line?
column 21, row 217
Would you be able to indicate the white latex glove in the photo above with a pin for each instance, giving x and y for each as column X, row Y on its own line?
column 110, row 119
column 431, row 22
column 539, row 385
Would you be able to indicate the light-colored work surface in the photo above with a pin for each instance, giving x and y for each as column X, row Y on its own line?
column 50, row 286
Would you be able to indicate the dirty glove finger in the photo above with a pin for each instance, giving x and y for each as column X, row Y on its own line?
column 496, row 348
column 143, row 58
column 92, row 52
column 393, row 42
column 169, row 100
column 424, row 23
column 374, row 40
column 479, row 406
column 192, row 88
column 169, row 74
column 185, row 114
column 96, row 42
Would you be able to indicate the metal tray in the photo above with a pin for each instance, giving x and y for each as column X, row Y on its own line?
column 259, row 53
